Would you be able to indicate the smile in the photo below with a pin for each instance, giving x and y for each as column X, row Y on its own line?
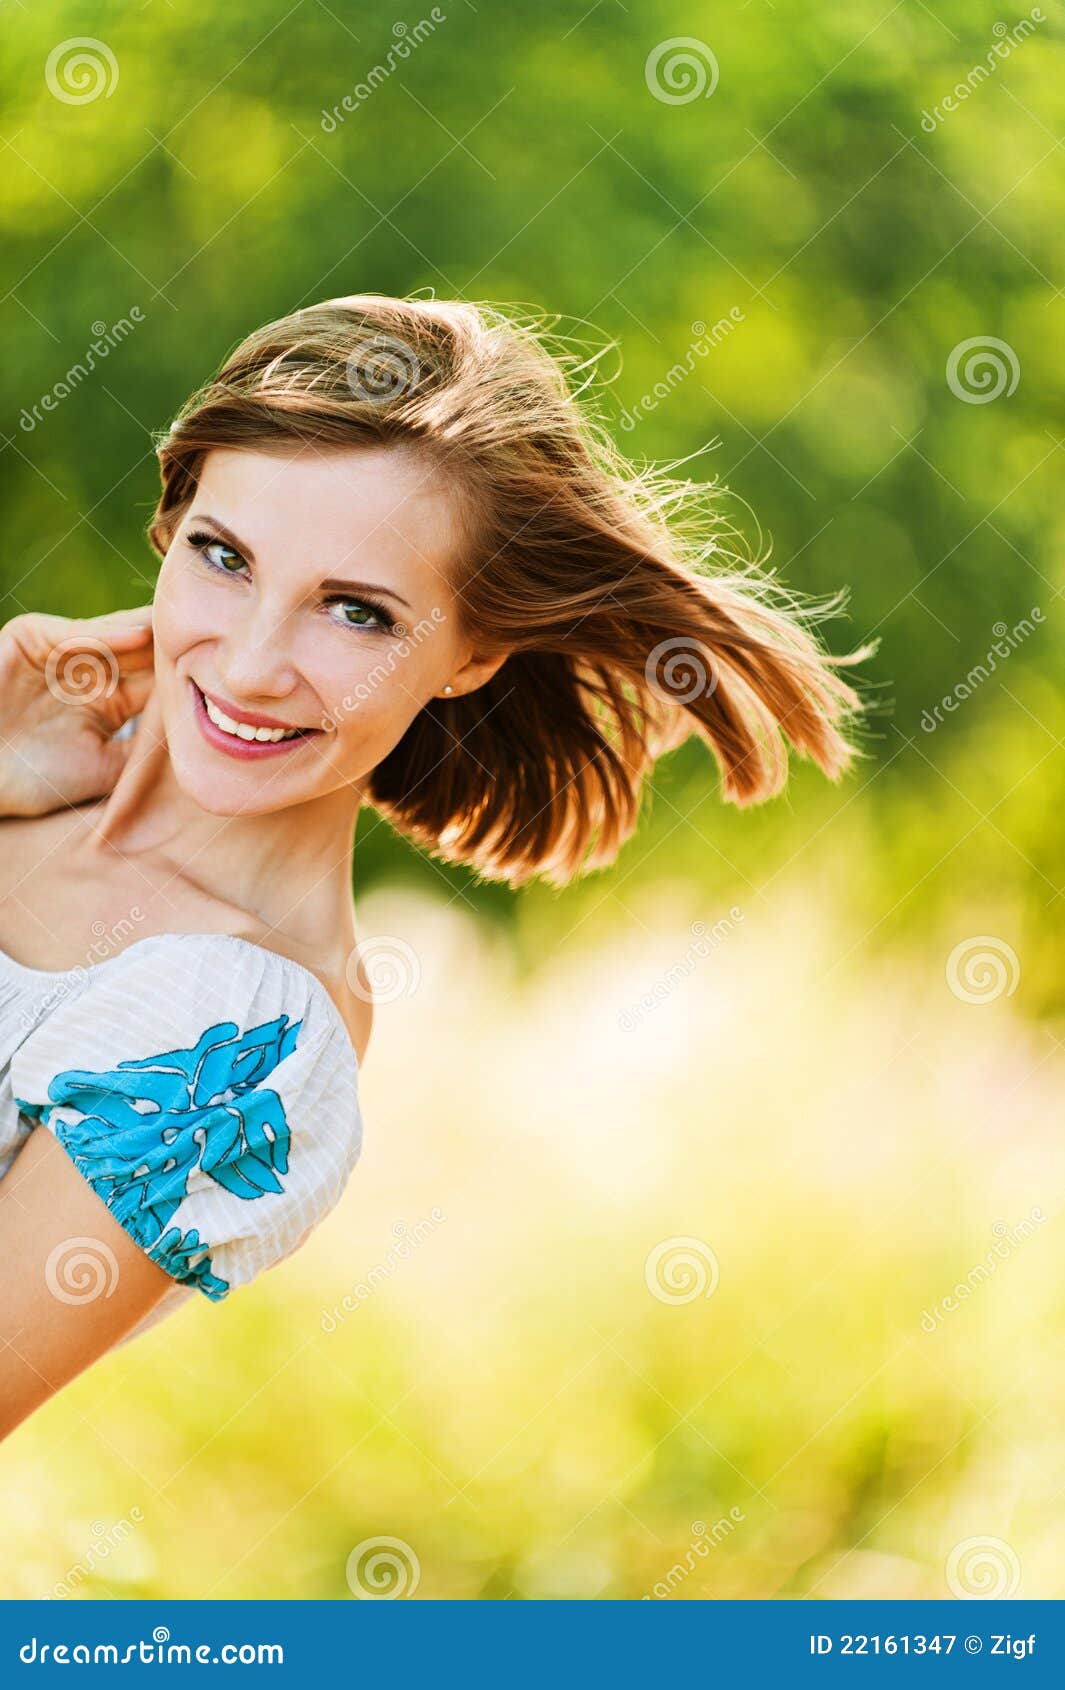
column 245, row 735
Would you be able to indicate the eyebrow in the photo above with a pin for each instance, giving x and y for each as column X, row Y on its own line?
column 332, row 586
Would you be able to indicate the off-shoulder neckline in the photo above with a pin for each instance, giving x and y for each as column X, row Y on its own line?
column 286, row 962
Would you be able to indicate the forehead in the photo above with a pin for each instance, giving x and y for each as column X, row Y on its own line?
column 330, row 512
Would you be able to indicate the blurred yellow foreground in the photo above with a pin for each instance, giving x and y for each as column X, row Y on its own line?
column 708, row 1263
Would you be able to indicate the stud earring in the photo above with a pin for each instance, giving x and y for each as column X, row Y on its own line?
column 449, row 687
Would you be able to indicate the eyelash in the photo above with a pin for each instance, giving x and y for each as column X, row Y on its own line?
column 199, row 541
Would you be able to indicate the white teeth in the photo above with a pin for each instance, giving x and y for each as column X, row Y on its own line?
column 244, row 730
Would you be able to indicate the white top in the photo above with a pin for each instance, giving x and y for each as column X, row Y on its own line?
column 205, row 1087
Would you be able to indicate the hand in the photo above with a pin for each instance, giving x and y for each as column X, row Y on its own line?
column 65, row 688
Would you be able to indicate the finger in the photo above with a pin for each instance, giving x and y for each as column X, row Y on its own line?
column 118, row 703
column 134, row 693
column 125, row 635
column 132, row 613
column 133, row 660
column 89, row 674
column 38, row 634
column 121, row 639
column 34, row 633
column 122, row 630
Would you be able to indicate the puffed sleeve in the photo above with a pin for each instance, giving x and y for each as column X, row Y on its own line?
column 208, row 1091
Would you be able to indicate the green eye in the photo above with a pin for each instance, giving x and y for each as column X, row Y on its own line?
column 361, row 613
column 223, row 556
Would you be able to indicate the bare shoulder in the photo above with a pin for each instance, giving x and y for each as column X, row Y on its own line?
column 344, row 978
column 355, row 1003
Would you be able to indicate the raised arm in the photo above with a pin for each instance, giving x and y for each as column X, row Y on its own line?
column 66, row 687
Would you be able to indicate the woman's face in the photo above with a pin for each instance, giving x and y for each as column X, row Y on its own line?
column 303, row 618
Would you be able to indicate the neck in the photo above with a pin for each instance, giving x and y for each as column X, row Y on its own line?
column 289, row 869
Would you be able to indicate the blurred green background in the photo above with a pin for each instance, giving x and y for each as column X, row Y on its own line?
column 849, row 1098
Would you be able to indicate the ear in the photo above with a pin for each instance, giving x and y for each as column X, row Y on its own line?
column 474, row 673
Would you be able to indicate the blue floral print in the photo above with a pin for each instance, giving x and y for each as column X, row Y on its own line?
column 147, row 1124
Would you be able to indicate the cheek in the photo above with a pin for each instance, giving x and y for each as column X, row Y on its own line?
column 182, row 612
column 371, row 701
column 352, row 675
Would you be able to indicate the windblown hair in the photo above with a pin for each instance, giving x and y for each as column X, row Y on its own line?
column 600, row 580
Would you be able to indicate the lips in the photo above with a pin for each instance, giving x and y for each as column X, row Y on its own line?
column 245, row 746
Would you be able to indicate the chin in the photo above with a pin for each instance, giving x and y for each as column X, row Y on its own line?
column 216, row 798
column 219, row 794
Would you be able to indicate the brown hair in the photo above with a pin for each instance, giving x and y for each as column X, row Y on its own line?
column 598, row 579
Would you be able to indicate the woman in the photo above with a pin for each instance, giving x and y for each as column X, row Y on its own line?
column 401, row 567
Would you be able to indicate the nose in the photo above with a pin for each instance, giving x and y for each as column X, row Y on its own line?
column 253, row 657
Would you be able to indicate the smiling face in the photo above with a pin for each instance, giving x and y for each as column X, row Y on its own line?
column 303, row 617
